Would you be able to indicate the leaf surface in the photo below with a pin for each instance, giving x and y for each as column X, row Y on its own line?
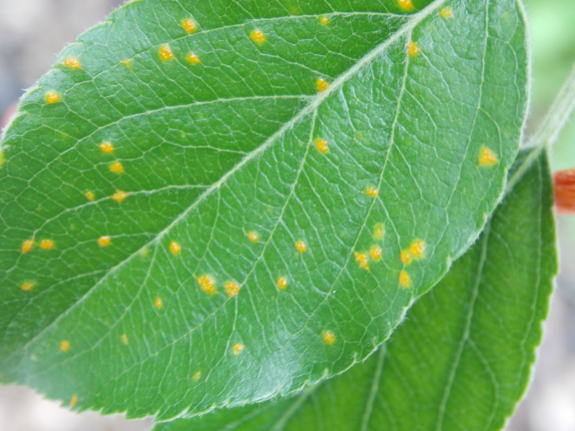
column 461, row 360
column 211, row 203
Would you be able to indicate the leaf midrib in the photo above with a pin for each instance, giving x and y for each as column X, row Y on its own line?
column 310, row 108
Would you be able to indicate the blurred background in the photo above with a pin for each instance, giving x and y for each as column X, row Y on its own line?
column 33, row 32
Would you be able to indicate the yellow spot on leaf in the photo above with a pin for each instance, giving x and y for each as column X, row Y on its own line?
column 27, row 287
column 73, row 400
column 158, row 303
column 104, row 241
column 258, row 36
column 107, row 147
column 328, row 338
column 124, row 339
column 487, row 157
column 90, row 196
column 27, row 246
column 253, row 236
column 405, row 4
column 193, row 58
column 127, row 63
column 72, row 63
column 378, row 231
column 237, row 349
column 417, row 249
column 405, row 257
column 175, row 247
column 232, row 288
column 52, row 97
column 282, row 283
column 165, row 53
column 64, row 346
column 207, row 283
column 446, row 12
column 1, row 157
column 197, row 376
column 189, row 25
column 375, row 252
column 301, row 246
column 404, row 279
column 117, row 168
column 47, row 244
column 119, row 196
column 413, row 48
column 322, row 146
column 321, row 85
column 362, row 260
column 324, row 20
column 371, row 192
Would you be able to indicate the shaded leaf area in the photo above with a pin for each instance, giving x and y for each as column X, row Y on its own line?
column 212, row 203
column 461, row 360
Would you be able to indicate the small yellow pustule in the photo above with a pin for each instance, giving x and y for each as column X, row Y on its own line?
column 253, row 236
column 47, row 244
column 232, row 288
column 321, row 85
column 64, row 345
column 189, row 25
column 328, row 338
column 487, row 157
column 301, row 246
column 117, row 168
column 406, row 4
column 417, row 249
column 375, row 252
column 90, row 196
column 282, row 283
column 119, row 196
column 362, row 260
column 27, row 246
column 175, row 248
column 158, row 303
column 207, row 284
column 124, row 339
column 405, row 257
column 193, row 58
column 127, row 63
column 258, row 36
column 197, row 376
column 28, row 287
column 52, row 97
column 237, row 349
column 72, row 63
column 322, row 146
column 1, row 157
column 73, row 400
column 104, row 241
column 165, row 53
column 107, row 147
column 404, row 279
column 413, row 48
column 378, row 231
column 323, row 20
column 371, row 192
column 446, row 12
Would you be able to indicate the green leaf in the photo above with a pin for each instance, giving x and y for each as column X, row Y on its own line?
column 182, row 146
column 462, row 359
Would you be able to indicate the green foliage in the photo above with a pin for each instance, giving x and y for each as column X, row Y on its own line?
column 209, row 204
column 462, row 358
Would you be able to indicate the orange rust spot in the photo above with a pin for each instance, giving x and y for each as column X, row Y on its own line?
column 158, row 303
column 282, row 283
column 405, row 257
column 52, row 97
column 64, row 346
column 189, row 25
column 72, row 63
column 253, row 236
column 565, row 191
column 117, row 168
column 207, row 284
column 73, row 400
column 446, row 12
column 322, row 146
column 406, row 5
column 301, row 246
column 124, row 339
column 413, row 48
column 232, row 288
column 375, row 252
column 27, row 246
column 404, row 279
column 417, row 249
column 165, row 52
column 487, row 157
column 175, row 247
column 107, row 147
column 104, row 241
column 258, row 36
column 90, row 196
column 321, row 85
column 119, row 196
column 28, row 287
column 193, row 58
column 328, row 338
column 362, row 260
column 47, row 244
column 237, row 349
column 371, row 192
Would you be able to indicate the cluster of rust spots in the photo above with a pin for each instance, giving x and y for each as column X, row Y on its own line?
column 565, row 191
